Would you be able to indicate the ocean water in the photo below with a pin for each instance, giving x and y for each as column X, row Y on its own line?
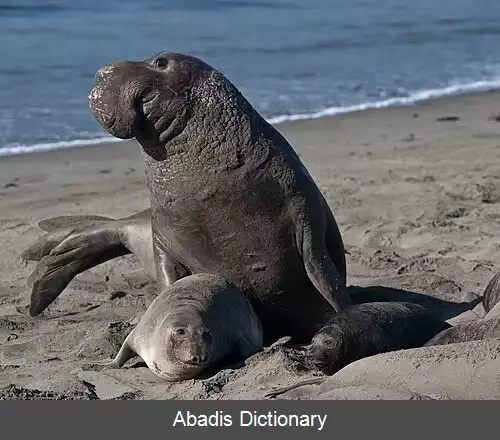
column 293, row 59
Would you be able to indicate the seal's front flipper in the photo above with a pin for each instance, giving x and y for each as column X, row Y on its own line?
column 321, row 270
column 126, row 352
column 79, row 251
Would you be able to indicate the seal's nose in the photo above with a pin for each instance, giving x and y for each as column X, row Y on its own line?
column 118, row 69
column 196, row 359
column 103, row 73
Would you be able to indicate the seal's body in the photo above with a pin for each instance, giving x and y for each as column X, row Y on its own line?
column 228, row 194
column 194, row 324
column 468, row 331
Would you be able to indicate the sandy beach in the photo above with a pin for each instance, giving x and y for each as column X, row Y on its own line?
column 415, row 191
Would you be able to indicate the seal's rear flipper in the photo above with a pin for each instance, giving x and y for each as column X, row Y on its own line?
column 69, row 221
column 44, row 245
column 79, row 251
column 58, row 228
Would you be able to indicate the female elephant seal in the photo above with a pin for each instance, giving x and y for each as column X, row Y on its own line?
column 194, row 324
column 468, row 331
column 228, row 194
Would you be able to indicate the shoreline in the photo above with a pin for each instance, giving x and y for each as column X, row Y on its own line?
column 100, row 142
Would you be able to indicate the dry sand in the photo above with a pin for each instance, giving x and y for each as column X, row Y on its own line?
column 417, row 201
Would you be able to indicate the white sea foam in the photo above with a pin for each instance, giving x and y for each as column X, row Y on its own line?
column 51, row 146
column 412, row 98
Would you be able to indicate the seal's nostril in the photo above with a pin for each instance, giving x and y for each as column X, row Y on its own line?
column 195, row 359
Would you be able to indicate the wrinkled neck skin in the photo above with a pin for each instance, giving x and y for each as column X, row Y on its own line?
column 214, row 132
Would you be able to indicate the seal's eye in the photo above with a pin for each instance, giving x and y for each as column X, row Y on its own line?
column 180, row 332
column 161, row 63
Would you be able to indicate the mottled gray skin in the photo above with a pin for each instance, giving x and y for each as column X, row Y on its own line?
column 367, row 329
column 228, row 194
column 491, row 295
column 194, row 324
column 74, row 244
column 468, row 331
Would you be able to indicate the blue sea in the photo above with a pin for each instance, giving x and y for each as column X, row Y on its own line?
column 293, row 59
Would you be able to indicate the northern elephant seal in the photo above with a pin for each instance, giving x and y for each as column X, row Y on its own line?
column 228, row 193
column 367, row 329
column 468, row 331
column 193, row 325
column 462, row 371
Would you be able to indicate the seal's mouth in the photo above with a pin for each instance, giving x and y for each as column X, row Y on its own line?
column 195, row 363
column 181, row 371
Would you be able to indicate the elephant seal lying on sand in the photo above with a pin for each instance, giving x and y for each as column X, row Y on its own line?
column 367, row 329
column 228, row 194
column 466, row 370
column 194, row 324
column 487, row 327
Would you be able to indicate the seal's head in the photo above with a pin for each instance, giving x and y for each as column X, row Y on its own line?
column 148, row 99
column 182, row 346
column 327, row 350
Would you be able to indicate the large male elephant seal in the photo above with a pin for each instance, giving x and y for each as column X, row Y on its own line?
column 228, row 194
column 194, row 324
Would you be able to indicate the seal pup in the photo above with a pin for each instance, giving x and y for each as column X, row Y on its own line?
column 466, row 370
column 228, row 193
column 74, row 244
column 367, row 329
column 194, row 324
